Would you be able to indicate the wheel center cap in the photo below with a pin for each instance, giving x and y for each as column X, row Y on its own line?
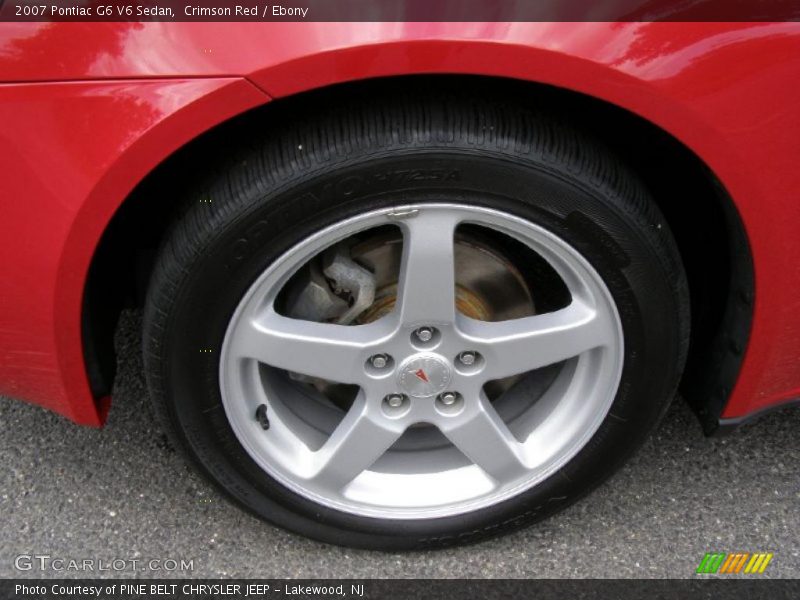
column 424, row 375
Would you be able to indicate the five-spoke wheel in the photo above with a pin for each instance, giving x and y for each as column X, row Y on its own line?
column 414, row 318
column 422, row 364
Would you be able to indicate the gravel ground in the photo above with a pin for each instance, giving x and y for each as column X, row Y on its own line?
column 121, row 492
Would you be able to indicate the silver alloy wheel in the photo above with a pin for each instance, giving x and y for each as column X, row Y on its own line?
column 358, row 467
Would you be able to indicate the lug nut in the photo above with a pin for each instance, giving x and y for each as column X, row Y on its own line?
column 467, row 358
column 394, row 400
column 448, row 398
column 379, row 361
column 424, row 334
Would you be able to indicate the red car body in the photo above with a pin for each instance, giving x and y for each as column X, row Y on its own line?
column 87, row 111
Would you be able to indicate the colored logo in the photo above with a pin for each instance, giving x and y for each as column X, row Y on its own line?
column 739, row 562
column 421, row 374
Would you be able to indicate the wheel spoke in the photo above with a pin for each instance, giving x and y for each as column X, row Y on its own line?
column 333, row 352
column 427, row 276
column 486, row 440
column 356, row 443
column 520, row 345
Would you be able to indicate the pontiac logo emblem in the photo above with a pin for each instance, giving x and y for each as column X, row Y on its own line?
column 423, row 375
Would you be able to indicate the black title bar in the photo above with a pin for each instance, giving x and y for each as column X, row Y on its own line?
column 401, row 10
column 349, row 589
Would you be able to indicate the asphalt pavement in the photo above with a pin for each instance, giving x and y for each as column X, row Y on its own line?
column 122, row 492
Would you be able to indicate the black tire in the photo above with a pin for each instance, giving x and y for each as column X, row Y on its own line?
column 303, row 175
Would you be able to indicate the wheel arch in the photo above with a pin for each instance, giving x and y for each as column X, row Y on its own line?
column 702, row 215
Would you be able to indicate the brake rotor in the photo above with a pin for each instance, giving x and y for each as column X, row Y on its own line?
column 488, row 288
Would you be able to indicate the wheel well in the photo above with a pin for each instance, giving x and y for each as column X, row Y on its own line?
column 701, row 215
